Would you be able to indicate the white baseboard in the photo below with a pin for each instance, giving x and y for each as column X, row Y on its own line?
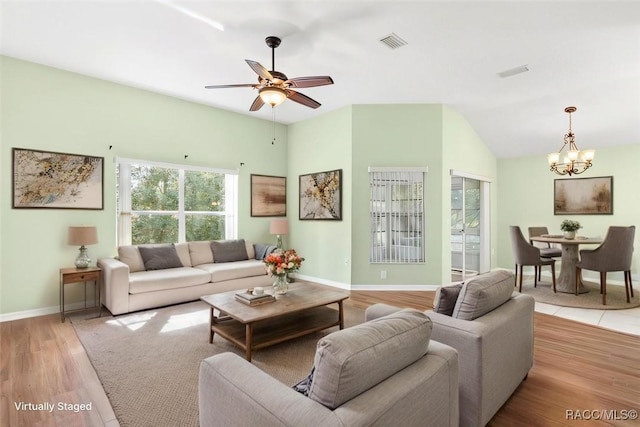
column 367, row 287
column 16, row 315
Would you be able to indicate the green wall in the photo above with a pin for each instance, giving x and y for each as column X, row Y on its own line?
column 48, row 109
column 317, row 145
column 397, row 135
column 360, row 136
column 464, row 151
column 526, row 198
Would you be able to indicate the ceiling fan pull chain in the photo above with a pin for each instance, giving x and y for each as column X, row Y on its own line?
column 273, row 119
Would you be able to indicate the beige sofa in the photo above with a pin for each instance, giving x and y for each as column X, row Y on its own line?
column 492, row 330
column 128, row 285
column 381, row 373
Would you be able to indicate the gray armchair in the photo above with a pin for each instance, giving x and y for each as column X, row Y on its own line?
column 380, row 373
column 525, row 253
column 495, row 349
column 614, row 254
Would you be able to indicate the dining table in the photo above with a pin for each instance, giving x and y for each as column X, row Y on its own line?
column 566, row 280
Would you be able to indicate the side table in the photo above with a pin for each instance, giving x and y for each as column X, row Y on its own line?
column 75, row 275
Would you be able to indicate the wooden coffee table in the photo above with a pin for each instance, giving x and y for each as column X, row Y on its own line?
column 301, row 311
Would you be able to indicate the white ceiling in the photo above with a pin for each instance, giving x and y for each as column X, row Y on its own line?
column 580, row 53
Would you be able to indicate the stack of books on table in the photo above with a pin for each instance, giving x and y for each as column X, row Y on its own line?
column 250, row 299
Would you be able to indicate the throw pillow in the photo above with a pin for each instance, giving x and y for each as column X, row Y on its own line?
column 159, row 257
column 130, row 255
column 445, row 299
column 350, row 361
column 483, row 293
column 263, row 250
column 304, row 385
column 229, row 250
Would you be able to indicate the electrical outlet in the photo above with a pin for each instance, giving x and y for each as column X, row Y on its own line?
column 346, row 261
column 383, row 274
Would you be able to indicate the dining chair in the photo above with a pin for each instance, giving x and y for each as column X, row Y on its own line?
column 546, row 250
column 525, row 253
column 614, row 254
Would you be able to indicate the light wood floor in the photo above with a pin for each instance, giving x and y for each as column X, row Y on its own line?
column 576, row 367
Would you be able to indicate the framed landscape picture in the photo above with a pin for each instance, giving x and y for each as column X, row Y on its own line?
column 46, row 179
column 583, row 196
column 321, row 195
column 268, row 195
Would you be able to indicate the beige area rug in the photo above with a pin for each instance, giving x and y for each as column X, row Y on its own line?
column 148, row 362
column 616, row 296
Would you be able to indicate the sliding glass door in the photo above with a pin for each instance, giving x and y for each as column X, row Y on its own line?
column 469, row 227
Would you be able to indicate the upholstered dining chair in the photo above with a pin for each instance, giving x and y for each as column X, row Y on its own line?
column 525, row 253
column 614, row 254
column 546, row 250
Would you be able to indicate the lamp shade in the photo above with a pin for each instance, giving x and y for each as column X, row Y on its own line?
column 83, row 235
column 279, row 226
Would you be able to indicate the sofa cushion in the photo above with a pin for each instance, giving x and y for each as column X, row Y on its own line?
column 172, row 278
column 130, row 255
column 233, row 270
column 251, row 252
column 183, row 253
column 353, row 360
column 445, row 299
column 229, row 250
column 159, row 257
column 200, row 252
column 483, row 293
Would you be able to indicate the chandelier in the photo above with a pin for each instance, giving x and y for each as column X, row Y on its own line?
column 575, row 162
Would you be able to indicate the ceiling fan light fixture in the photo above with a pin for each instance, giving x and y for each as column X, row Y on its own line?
column 272, row 95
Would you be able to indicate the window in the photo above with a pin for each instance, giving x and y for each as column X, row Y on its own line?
column 165, row 203
column 396, row 215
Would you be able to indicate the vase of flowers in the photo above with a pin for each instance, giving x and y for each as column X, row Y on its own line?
column 280, row 263
column 570, row 227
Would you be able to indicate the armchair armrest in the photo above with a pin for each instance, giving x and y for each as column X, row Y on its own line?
column 232, row 391
column 115, row 285
column 379, row 310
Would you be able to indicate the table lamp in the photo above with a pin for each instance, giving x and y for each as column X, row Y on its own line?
column 83, row 235
column 279, row 227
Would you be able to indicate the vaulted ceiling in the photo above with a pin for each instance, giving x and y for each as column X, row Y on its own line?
column 581, row 53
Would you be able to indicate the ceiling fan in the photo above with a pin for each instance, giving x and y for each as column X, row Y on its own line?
column 274, row 87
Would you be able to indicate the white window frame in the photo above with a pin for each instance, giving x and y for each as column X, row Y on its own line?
column 124, row 212
column 406, row 246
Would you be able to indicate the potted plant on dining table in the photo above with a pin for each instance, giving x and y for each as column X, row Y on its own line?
column 569, row 227
column 280, row 263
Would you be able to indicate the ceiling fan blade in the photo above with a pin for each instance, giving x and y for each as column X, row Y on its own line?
column 226, row 86
column 259, row 69
column 302, row 99
column 310, row 81
column 257, row 104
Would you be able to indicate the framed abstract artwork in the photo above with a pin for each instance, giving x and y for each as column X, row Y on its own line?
column 583, row 196
column 321, row 195
column 46, row 179
column 268, row 195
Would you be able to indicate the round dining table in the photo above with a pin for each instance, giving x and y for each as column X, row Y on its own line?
column 566, row 281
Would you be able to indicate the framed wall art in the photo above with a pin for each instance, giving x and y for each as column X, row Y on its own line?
column 46, row 179
column 583, row 196
column 268, row 195
column 321, row 195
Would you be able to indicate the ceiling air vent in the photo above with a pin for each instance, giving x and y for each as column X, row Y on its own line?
column 514, row 71
column 393, row 41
